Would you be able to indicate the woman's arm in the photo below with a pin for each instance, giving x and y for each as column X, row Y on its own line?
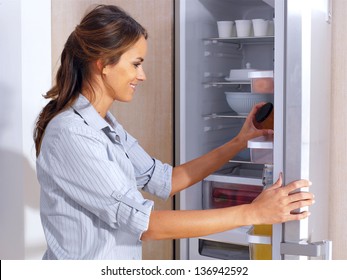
column 194, row 171
column 273, row 205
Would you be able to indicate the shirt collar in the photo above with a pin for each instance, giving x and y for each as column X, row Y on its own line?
column 88, row 113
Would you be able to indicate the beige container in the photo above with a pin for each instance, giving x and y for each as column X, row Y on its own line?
column 262, row 81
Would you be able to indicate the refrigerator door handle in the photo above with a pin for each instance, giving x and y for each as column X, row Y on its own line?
column 321, row 249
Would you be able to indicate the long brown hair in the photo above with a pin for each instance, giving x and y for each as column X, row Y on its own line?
column 104, row 34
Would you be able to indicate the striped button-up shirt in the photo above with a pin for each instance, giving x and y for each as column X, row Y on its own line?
column 90, row 171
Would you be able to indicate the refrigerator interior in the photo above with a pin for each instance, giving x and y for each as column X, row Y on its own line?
column 206, row 119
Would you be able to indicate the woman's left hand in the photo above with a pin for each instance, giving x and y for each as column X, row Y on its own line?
column 277, row 203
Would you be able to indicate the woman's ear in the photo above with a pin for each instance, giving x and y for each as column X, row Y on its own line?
column 104, row 70
column 101, row 68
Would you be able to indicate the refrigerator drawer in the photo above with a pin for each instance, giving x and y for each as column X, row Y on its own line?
column 223, row 251
column 219, row 195
column 228, row 245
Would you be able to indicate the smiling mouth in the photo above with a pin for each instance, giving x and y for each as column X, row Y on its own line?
column 133, row 86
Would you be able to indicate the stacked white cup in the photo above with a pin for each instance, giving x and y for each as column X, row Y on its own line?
column 243, row 27
column 225, row 28
column 260, row 27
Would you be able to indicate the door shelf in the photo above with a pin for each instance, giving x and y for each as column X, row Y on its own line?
column 262, row 149
column 262, row 142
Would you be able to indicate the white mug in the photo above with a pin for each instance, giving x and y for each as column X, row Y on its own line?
column 260, row 27
column 225, row 28
column 243, row 27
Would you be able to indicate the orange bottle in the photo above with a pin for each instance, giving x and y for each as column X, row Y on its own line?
column 264, row 117
column 264, row 251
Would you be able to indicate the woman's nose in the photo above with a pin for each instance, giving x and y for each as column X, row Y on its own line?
column 141, row 76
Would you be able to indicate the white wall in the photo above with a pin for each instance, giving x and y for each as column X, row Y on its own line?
column 25, row 74
column 338, row 162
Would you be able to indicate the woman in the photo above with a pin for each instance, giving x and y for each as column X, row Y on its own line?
column 90, row 169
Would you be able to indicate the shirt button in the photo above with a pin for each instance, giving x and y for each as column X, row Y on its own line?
column 118, row 196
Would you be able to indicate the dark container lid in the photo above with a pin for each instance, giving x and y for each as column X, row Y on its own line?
column 264, row 112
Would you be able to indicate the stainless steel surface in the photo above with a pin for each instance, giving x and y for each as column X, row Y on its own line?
column 321, row 249
column 306, row 98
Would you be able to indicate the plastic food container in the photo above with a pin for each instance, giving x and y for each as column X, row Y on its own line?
column 240, row 74
column 261, row 149
column 262, row 81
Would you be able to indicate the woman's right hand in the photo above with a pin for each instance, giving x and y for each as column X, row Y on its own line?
column 277, row 203
column 248, row 130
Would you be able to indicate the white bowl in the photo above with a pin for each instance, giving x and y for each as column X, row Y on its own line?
column 243, row 102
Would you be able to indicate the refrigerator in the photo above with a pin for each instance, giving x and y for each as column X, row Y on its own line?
column 296, row 49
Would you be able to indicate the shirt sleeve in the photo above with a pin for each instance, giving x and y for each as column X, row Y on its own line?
column 155, row 176
column 80, row 164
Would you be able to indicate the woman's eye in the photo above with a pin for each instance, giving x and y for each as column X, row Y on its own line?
column 137, row 65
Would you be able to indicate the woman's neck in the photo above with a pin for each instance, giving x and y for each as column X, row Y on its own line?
column 101, row 102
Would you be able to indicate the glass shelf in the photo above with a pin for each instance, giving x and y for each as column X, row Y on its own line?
column 223, row 115
column 222, row 83
column 243, row 40
column 242, row 161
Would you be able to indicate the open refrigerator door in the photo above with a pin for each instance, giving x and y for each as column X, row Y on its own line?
column 214, row 97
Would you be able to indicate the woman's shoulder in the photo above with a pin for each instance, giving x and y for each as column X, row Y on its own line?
column 65, row 120
column 69, row 123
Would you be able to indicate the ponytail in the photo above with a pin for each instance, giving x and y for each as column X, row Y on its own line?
column 63, row 94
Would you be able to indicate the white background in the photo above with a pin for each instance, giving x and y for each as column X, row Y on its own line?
column 25, row 74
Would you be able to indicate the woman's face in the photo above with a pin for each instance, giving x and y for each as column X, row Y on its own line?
column 123, row 77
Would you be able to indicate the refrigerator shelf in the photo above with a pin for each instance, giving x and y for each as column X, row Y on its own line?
column 243, row 40
column 243, row 162
column 232, row 115
column 235, row 179
column 221, row 83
